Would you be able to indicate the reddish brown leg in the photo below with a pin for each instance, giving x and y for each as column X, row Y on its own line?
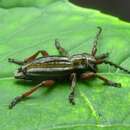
column 61, row 50
column 33, row 57
column 72, row 91
column 94, row 50
column 89, row 75
column 17, row 99
column 30, row 59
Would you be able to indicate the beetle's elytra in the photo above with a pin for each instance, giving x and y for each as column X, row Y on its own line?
column 49, row 69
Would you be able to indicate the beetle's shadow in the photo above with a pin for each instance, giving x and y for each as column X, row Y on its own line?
column 87, row 83
column 58, row 84
column 26, row 83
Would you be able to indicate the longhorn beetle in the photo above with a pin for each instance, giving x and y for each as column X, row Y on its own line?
column 49, row 69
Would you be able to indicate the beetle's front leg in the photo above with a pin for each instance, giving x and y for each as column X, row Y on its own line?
column 89, row 75
column 17, row 99
column 61, row 50
column 72, row 91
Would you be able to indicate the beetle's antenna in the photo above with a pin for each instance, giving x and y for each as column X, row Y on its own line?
column 116, row 66
column 102, row 56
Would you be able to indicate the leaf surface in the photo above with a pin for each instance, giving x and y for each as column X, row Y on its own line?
column 24, row 30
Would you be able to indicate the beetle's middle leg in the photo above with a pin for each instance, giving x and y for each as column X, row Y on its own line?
column 29, row 59
column 89, row 75
column 61, row 50
column 72, row 91
column 17, row 99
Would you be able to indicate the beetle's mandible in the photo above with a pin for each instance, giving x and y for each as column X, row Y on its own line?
column 49, row 69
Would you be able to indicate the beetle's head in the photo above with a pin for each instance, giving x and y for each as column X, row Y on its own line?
column 20, row 73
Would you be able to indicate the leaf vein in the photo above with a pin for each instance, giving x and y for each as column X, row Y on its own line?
column 90, row 105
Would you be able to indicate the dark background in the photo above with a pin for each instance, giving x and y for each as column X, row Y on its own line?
column 118, row 8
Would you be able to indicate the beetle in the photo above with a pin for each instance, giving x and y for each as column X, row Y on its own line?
column 49, row 69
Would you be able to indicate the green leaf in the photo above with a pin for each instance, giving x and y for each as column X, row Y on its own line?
column 24, row 30
column 25, row 3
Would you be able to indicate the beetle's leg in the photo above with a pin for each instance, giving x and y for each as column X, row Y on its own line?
column 72, row 91
column 61, row 50
column 16, row 61
column 33, row 57
column 89, row 75
column 94, row 49
column 29, row 59
column 17, row 99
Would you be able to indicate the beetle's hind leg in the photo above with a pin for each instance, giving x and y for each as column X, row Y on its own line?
column 94, row 49
column 17, row 99
column 89, row 75
column 33, row 57
column 72, row 88
column 15, row 61
column 61, row 50
column 29, row 59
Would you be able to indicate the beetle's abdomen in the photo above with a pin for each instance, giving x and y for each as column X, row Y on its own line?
column 51, row 69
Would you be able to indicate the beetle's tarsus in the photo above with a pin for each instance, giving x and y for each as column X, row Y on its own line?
column 15, row 101
column 71, row 98
column 10, row 60
column 100, row 29
column 114, row 84
column 15, row 61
